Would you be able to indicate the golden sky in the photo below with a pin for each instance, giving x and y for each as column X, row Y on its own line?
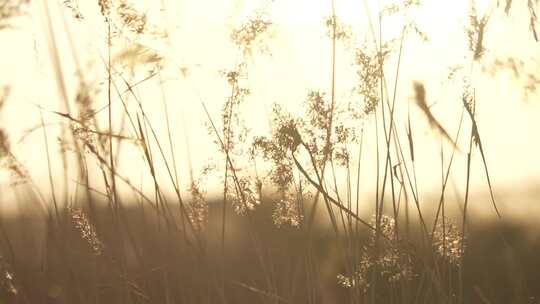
column 199, row 44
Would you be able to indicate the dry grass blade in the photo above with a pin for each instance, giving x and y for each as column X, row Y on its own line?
column 410, row 138
column 507, row 6
column 4, row 94
column 77, row 121
column 533, row 19
column 468, row 103
column 420, row 98
column 261, row 292
column 328, row 197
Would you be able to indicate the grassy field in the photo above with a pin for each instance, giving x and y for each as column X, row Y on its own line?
column 145, row 260
column 328, row 200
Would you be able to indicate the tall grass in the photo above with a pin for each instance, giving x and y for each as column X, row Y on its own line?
column 291, row 225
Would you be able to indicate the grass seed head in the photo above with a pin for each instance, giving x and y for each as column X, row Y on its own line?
column 448, row 242
column 287, row 211
column 198, row 208
column 86, row 230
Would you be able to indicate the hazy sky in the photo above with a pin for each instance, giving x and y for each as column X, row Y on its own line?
column 199, row 42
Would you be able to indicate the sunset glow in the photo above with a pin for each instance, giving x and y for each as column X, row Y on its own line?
column 368, row 123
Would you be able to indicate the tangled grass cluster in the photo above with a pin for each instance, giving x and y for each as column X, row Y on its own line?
column 386, row 256
column 245, row 196
column 449, row 242
column 393, row 261
column 287, row 212
column 197, row 210
column 253, row 35
column 383, row 256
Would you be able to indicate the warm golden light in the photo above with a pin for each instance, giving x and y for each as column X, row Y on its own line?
column 158, row 147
